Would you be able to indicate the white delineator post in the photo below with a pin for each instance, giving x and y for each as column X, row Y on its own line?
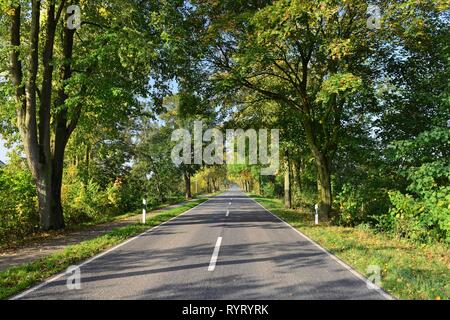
column 316, row 216
column 144, row 210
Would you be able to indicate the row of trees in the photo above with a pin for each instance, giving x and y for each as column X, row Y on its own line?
column 84, row 107
column 363, row 111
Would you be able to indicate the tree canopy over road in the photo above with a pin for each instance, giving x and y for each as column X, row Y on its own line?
column 359, row 90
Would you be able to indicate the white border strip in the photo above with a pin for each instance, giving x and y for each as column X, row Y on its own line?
column 61, row 274
column 342, row 263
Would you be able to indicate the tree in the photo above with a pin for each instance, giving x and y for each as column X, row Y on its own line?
column 153, row 160
column 298, row 54
column 58, row 73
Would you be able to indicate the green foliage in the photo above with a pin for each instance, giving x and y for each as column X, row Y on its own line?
column 89, row 202
column 18, row 201
column 268, row 189
column 422, row 211
column 351, row 206
column 425, row 217
column 363, row 202
column 404, row 217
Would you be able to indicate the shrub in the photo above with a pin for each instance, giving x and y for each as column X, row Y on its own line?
column 18, row 201
column 360, row 204
column 424, row 214
column 268, row 189
column 87, row 201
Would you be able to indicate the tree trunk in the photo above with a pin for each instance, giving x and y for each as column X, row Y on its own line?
column 87, row 162
column 287, row 185
column 324, row 187
column 48, row 187
column 45, row 154
column 323, row 171
column 298, row 175
column 260, row 184
column 187, row 180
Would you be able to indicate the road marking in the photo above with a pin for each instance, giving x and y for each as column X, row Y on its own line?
column 377, row 288
column 63, row 273
column 228, row 213
column 212, row 263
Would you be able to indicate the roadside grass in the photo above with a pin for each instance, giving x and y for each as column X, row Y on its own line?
column 19, row 278
column 39, row 236
column 408, row 270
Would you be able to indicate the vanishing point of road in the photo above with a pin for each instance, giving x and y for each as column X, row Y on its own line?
column 228, row 247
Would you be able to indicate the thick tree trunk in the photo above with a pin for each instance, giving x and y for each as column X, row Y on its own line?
column 187, row 181
column 287, row 185
column 61, row 137
column 324, row 187
column 323, row 171
column 50, row 208
column 48, row 187
column 45, row 154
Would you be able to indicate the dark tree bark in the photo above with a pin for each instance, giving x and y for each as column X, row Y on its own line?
column 322, row 164
column 187, row 181
column 298, row 174
column 287, row 184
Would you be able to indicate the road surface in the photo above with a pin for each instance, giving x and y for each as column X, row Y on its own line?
column 226, row 248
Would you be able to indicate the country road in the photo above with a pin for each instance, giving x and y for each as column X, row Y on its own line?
column 226, row 248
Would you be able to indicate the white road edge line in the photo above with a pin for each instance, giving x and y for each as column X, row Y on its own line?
column 46, row 282
column 212, row 263
column 342, row 263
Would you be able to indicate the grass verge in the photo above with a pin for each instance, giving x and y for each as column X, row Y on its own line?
column 19, row 278
column 39, row 236
column 408, row 270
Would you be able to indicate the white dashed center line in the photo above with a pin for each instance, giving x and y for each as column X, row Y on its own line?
column 212, row 263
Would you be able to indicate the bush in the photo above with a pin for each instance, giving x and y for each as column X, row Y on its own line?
column 268, row 189
column 404, row 217
column 360, row 204
column 87, row 201
column 422, row 211
column 18, row 201
column 423, row 214
column 422, row 219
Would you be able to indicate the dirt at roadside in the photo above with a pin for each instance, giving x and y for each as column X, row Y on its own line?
column 46, row 246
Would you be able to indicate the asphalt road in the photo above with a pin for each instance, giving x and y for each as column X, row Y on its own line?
column 208, row 253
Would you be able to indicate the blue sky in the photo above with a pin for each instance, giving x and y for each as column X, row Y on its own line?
column 2, row 151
